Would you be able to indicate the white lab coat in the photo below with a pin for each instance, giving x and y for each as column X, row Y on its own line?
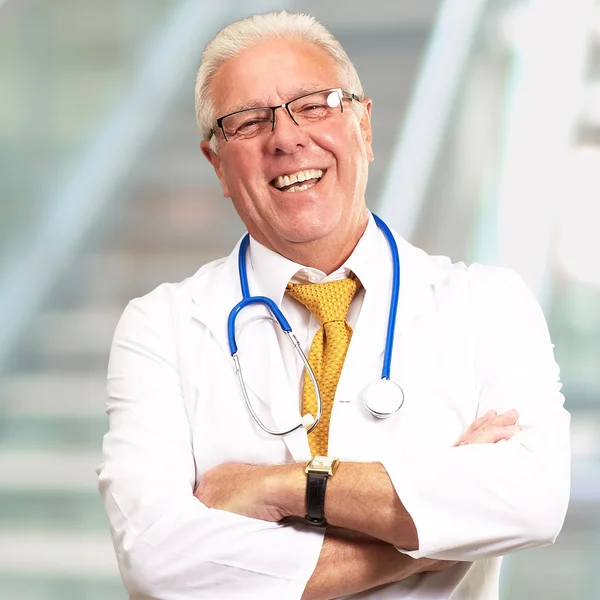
column 467, row 340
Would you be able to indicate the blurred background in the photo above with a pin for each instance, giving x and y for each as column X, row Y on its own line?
column 486, row 126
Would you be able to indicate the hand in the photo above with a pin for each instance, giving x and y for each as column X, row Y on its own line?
column 352, row 562
column 488, row 429
column 245, row 489
column 491, row 428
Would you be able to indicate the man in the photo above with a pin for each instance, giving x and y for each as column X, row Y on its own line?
column 202, row 501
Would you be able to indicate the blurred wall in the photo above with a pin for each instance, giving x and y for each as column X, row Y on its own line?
column 104, row 195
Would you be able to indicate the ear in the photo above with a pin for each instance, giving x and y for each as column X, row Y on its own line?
column 215, row 160
column 365, row 126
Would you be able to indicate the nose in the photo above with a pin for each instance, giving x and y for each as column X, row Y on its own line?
column 287, row 137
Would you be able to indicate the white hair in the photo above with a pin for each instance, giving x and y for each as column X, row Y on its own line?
column 238, row 36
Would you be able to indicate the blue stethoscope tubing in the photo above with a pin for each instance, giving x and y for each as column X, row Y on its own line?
column 382, row 399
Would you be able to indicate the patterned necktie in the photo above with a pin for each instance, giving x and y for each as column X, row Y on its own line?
column 329, row 303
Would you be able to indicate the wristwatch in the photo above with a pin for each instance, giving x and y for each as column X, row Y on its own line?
column 318, row 470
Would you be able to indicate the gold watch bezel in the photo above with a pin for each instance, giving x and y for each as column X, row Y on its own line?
column 322, row 464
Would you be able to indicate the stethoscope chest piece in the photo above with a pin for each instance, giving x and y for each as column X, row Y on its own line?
column 383, row 398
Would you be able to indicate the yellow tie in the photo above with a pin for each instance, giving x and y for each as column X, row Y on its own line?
column 329, row 303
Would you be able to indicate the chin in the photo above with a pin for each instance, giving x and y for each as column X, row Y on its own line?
column 305, row 230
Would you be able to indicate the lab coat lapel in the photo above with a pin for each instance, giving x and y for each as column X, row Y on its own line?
column 259, row 351
column 418, row 272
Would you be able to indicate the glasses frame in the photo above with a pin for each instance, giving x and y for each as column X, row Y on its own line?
column 342, row 93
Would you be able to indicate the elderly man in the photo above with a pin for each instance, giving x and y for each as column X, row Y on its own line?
column 206, row 481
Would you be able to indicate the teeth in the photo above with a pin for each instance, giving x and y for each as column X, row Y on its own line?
column 285, row 180
column 301, row 188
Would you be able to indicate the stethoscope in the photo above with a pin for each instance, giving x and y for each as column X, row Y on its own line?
column 382, row 398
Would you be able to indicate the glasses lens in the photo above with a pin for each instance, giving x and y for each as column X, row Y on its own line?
column 248, row 123
column 316, row 107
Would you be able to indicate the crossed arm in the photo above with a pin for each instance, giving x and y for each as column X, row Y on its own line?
column 359, row 551
column 504, row 496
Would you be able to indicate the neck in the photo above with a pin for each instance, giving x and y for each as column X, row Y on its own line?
column 326, row 254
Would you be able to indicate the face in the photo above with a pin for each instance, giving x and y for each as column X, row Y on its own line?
column 330, row 214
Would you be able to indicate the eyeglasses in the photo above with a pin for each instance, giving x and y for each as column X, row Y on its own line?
column 304, row 110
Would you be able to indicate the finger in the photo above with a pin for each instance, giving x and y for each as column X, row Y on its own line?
column 479, row 422
column 490, row 434
column 510, row 417
column 491, row 418
column 475, row 426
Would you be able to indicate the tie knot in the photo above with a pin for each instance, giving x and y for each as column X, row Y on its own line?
column 326, row 301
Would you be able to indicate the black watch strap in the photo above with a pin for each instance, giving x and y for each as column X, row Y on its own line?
column 315, row 498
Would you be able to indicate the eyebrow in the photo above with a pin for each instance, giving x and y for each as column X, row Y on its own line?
column 262, row 103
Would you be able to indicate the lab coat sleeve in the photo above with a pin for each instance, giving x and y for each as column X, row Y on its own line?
column 483, row 500
column 169, row 545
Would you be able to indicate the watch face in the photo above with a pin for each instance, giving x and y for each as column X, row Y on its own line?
column 322, row 462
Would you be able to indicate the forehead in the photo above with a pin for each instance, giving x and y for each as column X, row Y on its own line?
column 271, row 73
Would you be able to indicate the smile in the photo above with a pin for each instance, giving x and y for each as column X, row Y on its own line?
column 307, row 179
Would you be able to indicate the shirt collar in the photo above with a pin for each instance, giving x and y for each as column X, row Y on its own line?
column 273, row 271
